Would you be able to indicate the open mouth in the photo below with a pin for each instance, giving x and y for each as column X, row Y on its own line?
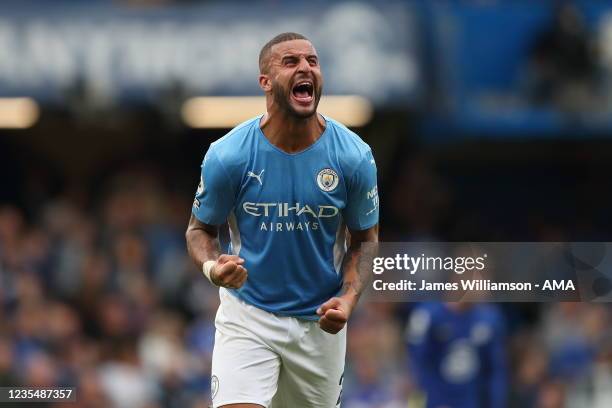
column 303, row 92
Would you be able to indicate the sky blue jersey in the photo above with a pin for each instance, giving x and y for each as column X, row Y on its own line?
column 288, row 213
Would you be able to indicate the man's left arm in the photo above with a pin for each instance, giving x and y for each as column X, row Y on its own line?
column 336, row 311
column 361, row 217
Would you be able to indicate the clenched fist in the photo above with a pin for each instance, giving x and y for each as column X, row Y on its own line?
column 334, row 314
column 229, row 272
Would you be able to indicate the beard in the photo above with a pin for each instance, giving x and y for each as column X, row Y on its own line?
column 282, row 97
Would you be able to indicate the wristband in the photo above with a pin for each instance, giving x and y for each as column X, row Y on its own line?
column 206, row 268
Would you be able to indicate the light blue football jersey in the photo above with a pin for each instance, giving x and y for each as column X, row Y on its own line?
column 288, row 213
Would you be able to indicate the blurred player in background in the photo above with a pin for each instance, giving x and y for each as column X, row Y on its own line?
column 457, row 354
column 289, row 183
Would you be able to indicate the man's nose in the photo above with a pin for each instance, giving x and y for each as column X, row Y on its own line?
column 303, row 65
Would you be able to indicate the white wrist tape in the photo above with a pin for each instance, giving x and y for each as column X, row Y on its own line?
column 206, row 268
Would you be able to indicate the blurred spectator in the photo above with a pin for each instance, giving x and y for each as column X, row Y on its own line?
column 530, row 362
column 457, row 353
column 595, row 389
column 373, row 377
column 552, row 395
column 7, row 363
column 573, row 332
column 563, row 63
column 125, row 381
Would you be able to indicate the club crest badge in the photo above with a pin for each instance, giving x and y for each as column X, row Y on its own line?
column 327, row 180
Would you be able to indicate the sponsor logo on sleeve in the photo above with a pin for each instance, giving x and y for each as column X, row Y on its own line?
column 372, row 196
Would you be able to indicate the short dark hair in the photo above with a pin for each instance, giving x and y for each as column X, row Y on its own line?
column 264, row 54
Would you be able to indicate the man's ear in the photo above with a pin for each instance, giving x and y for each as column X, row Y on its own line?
column 265, row 83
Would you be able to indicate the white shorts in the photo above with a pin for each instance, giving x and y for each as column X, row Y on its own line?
column 273, row 361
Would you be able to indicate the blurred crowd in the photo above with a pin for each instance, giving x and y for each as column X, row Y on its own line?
column 106, row 301
column 99, row 293
column 564, row 64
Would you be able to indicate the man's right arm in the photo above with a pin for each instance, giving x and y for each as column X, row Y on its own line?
column 203, row 246
column 211, row 206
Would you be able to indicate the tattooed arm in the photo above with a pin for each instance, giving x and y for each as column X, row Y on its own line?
column 336, row 311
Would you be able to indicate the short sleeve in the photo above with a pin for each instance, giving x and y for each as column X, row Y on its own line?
column 215, row 195
column 361, row 210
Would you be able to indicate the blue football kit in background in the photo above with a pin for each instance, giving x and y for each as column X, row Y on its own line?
column 459, row 357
